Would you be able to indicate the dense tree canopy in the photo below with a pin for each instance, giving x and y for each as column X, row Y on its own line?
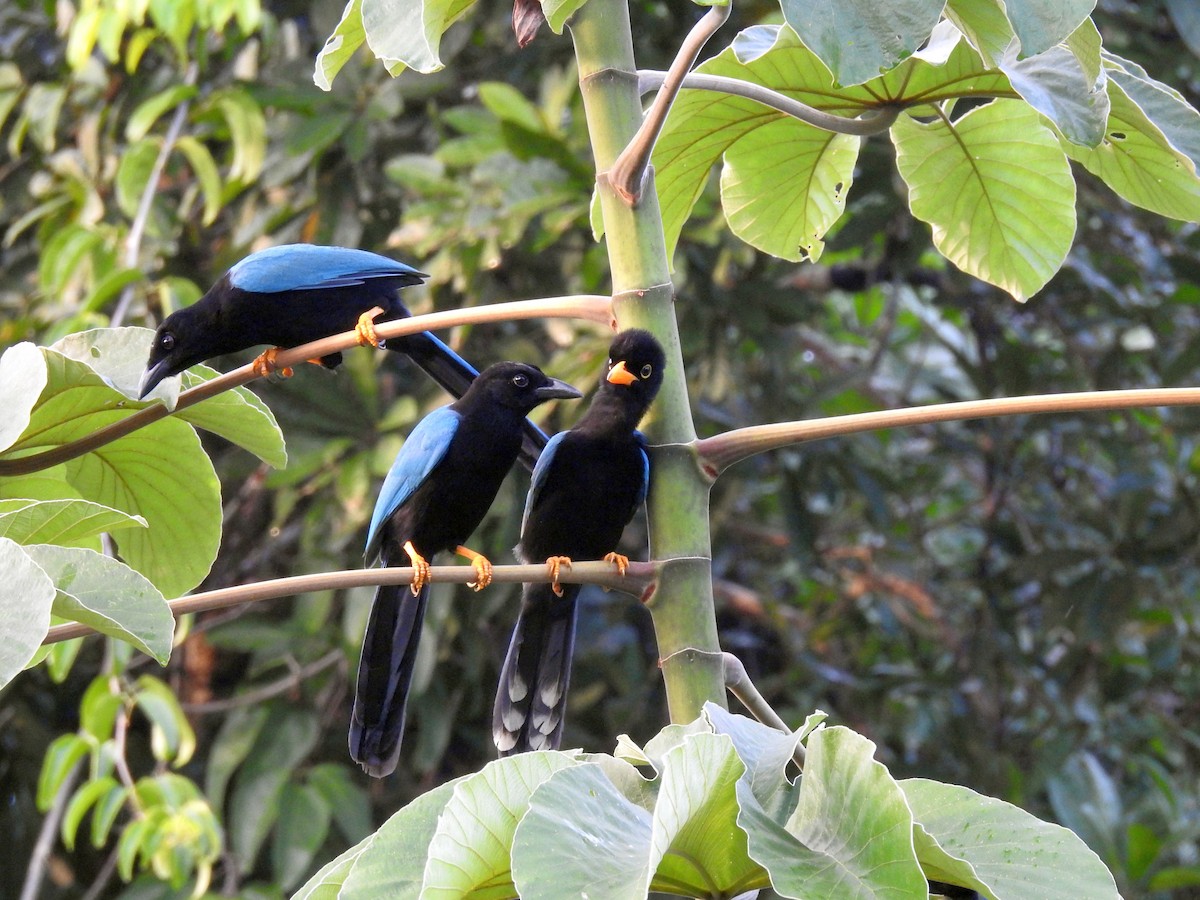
column 1006, row 604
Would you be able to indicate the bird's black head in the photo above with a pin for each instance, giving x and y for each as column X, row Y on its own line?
column 180, row 341
column 635, row 363
column 518, row 386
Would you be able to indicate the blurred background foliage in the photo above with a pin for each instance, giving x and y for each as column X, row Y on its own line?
column 1012, row 605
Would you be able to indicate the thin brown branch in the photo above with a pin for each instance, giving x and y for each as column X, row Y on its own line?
column 40, row 857
column 719, row 452
column 629, row 168
column 288, row 683
column 591, row 307
column 876, row 123
column 638, row 580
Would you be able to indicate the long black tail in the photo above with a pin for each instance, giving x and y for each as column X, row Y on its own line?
column 384, row 676
column 454, row 374
column 531, row 700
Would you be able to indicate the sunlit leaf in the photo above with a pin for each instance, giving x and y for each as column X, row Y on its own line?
column 63, row 522
column 26, row 595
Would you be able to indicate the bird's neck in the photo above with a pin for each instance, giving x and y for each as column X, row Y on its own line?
column 610, row 414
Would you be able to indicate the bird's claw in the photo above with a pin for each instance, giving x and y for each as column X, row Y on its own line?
column 618, row 560
column 264, row 364
column 365, row 329
column 483, row 573
column 421, row 573
column 553, row 565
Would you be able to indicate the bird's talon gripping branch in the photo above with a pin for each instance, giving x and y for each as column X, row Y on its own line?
column 264, row 364
column 553, row 565
column 420, row 567
column 365, row 329
column 618, row 560
column 481, row 564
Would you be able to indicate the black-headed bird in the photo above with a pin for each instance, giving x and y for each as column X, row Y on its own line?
column 295, row 293
column 587, row 485
column 436, row 493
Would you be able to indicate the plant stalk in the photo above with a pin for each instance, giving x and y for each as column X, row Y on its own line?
column 677, row 506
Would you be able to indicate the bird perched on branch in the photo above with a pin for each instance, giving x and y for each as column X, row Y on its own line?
column 587, row 485
column 436, row 493
column 289, row 295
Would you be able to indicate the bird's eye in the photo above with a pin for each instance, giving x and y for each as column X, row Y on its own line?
column 166, row 340
column 647, row 370
column 521, row 380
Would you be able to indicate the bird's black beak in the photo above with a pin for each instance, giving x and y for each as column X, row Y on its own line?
column 557, row 390
column 153, row 376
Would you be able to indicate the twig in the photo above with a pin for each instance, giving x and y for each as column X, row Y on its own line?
column 629, row 168
column 36, row 870
column 133, row 241
column 881, row 119
column 639, row 578
column 719, row 452
column 737, row 680
column 591, row 307
column 289, row 682
column 104, row 876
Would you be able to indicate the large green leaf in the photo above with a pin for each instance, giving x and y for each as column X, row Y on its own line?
column 470, row 850
column 789, row 180
column 328, row 883
column 858, row 39
column 160, row 473
column 392, row 862
column 22, row 378
column 68, row 523
column 26, row 595
column 408, row 33
column 1064, row 88
column 997, row 189
column 1011, row 852
column 1166, row 107
column 1041, row 25
column 1139, row 163
column 582, row 836
column 304, row 817
column 107, row 595
column 119, row 356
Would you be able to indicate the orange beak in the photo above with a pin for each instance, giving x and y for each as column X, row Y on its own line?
column 618, row 374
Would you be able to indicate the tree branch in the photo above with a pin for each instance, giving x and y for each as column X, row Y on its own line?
column 719, row 452
column 880, row 121
column 737, row 680
column 289, row 682
column 591, row 307
column 36, row 870
column 628, row 169
column 639, row 580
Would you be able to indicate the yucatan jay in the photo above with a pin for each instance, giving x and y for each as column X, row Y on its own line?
column 436, row 493
column 295, row 293
column 587, row 485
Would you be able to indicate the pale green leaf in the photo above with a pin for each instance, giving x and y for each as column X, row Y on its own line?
column 154, row 472
column 63, row 522
column 997, row 190
column 1040, row 25
column 858, row 39
column 247, row 132
column 304, row 817
column 408, row 33
column 471, row 845
column 133, row 173
column 1011, row 852
column 108, row 596
column 26, row 596
column 985, row 26
column 340, row 46
column 142, row 119
column 392, row 861
column 204, row 167
column 1137, row 161
column 328, row 883
column 582, row 837
column 1178, row 121
column 557, row 12
column 1056, row 84
column 22, row 378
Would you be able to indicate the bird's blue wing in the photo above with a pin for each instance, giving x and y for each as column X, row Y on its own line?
column 423, row 450
column 296, row 267
column 539, row 474
column 641, row 497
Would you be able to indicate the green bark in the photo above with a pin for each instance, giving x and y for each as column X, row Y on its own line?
column 682, row 603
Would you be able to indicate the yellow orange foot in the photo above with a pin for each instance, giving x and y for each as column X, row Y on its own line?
column 553, row 565
column 621, row 562
column 481, row 565
column 420, row 568
column 365, row 329
column 264, row 364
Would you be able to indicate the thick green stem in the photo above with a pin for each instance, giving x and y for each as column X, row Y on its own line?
column 682, row 604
